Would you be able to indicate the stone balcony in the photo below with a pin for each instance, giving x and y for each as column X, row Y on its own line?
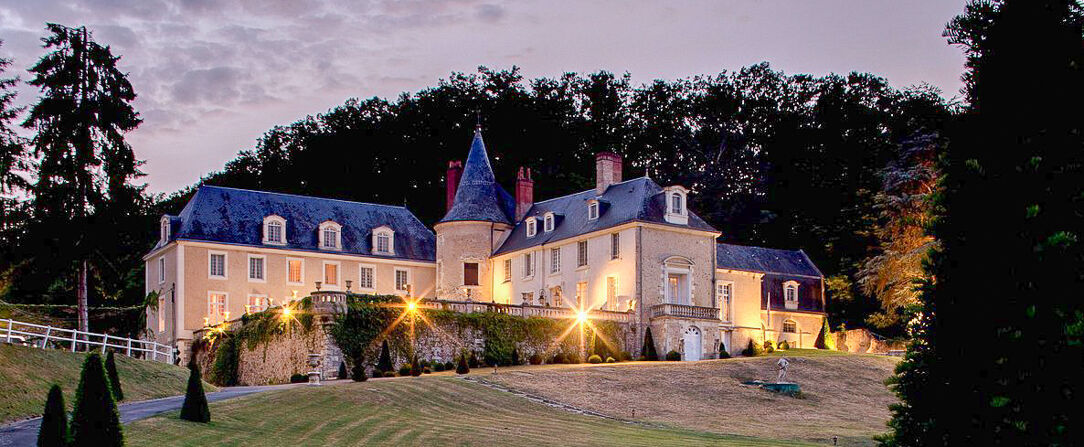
column 684, row 311
column 525, row 310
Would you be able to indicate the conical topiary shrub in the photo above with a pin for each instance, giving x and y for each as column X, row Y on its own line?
column 114, row 378
column 342, row 370
column 357, row 372
column 195, row 401
column 54, row 423
column 415, row 368
column 95, row 421
column 463, row 368
column 648, row 352
column 383, row 364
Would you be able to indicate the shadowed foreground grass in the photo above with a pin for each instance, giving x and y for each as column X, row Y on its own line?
column 410, row 411
column 27, row 373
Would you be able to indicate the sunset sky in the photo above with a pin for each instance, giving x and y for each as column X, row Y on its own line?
column 213, row 75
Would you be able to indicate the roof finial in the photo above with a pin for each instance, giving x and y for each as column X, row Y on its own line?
column 478, row 120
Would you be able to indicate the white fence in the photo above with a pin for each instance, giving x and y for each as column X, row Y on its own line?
column 44, row 337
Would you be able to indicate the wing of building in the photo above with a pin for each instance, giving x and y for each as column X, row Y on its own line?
column 630, row 250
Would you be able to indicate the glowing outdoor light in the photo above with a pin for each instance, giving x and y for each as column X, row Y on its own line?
column 412, row 306
column 581, row 317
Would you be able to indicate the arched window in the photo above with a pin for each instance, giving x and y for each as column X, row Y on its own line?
column 330, row 236
column 383, row 240
column 547, row 225
column 532, row 227
column 676, row 203
column 790, row 294
column 274, row 230
column 790, row 327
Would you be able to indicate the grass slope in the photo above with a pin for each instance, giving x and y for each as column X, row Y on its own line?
column 409, row 411
column 27, row 373
column 844, row 395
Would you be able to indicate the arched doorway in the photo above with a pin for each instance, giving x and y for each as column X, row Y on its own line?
column 693, row 346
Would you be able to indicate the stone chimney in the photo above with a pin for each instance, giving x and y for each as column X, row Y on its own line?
column 524, row 193
column 455, row 171
column 607, row 171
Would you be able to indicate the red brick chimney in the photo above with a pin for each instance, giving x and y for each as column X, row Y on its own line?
column 455, row 171
column 607, row 171
column 524, row 193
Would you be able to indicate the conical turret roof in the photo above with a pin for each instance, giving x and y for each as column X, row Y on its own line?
column 479, row 197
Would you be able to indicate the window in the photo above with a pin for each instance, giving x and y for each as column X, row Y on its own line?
column 555, row 260
column 402, row 280
column 217, row 265
column 531, row 227
column 384, row 240
column 256, row 268
column 615, row 245
column 470, row 273
column 161, row 270
column 611, row 293
column 592, row 210
column 331, row 274
column 581, row 253
column 164, row 230
column 676, row 203
column 161, row 314
column 790, row 327
column 527, row 297
column 330, row 236
column 216, row 307
column 677, row 211
column 677, row 288
column 723, row 292
column 790, row 294
column 528, row 265
column 547, row 224
column 558, row 296
column 507, row 269
column 581, row 295
column 274, row 230
column 365, row 277
column 256, row 303
column 295, row 271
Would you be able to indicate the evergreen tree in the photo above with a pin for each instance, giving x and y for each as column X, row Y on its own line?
column 415, row 367
column 384, row 363
column 13, row 160
column 342, row 371
column 195, row 401
column 114, row 378
column 79, row 121
column 648, row 351
column 357, row 372
column 1009, row 221
column 462, row 367
column 95, row 420
column 54, row 422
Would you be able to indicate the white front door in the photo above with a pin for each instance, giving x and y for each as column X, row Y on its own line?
column 693, row 347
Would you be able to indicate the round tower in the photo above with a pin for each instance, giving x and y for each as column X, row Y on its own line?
column 478, row 218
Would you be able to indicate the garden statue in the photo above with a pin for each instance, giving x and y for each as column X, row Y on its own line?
column 782, row 364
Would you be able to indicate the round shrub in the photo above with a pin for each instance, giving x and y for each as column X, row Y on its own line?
column 299, row 378
column 404, row 370
column 560, row 358
column 752, row 350
column 464, row 365
column 594, row 358
column 389, row 374
column 575, row 359
column 610, row 360
column 624, row 356
column 438, row 367
column 472, row 361
column 448, row 366
column 673, row 356
column 783, row 345
column 535, row 359
column 427, row 370
column 768, row 346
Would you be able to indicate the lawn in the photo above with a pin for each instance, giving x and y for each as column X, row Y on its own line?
column 428, row 410
column 844, row 395
column 27, row 373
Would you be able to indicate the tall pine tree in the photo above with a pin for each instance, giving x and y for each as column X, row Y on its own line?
column 80, row 121
column 13, row 165
column 997, row 357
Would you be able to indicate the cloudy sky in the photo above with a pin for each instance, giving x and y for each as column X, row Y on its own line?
column 213, row 75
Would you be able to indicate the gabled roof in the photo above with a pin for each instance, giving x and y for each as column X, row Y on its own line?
column 764, row 260
column 479, row 197
column 235, row 216
column 636, row 200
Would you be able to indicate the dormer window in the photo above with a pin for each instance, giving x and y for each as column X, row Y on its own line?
column 677, row 210
column 274, row 230
column 330, row 236
column 532, row 227
column 163, row 234
column 547, row 222
column 790, row 294
column 384, row 240
column 592, row 210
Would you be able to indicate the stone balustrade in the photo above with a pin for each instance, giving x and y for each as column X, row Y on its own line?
column 524, row 310
column 684, row 311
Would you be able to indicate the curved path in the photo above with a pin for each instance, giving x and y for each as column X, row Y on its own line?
column 25, row 433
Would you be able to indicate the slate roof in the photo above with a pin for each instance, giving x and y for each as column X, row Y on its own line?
column 235, row 216
column 765, row 260
column 479, row 197
column 636, row 200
